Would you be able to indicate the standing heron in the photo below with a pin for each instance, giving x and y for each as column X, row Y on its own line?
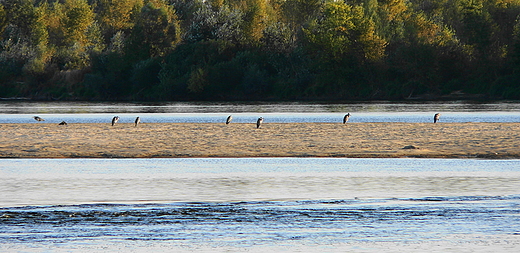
column 37, row 118
column 137, row 121
column 345, row 118
column 436, row 117
column 114, row 120
column 259, row 122
column 228, row 120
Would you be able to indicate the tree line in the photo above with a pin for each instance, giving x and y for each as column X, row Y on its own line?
column 153, row 50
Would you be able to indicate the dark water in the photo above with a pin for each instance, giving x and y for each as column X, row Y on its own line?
column 87, row 112
column 260, row 204
column 24, row 107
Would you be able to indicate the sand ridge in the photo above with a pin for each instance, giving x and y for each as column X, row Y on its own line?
column 148, row 140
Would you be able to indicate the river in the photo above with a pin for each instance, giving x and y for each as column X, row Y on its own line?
column 260, row 204
column 247, row 112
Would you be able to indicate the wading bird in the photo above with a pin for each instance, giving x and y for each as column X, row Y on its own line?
column 345, row 119
column 37, row 118
column 137, row 121
column 259, row 122
column 63, row 123
column 228, row 120
column 436, row 117
column 114, row 120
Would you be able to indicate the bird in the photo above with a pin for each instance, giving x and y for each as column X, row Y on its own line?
column 62, row 123
column 259, row 122
column 345, row 118
column 37, row 118
column 114, row 120
column 436, row 117
column 228, row 120
column 137, row 121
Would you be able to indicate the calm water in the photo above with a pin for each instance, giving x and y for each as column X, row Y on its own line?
column 259, row 204
column 88, row 112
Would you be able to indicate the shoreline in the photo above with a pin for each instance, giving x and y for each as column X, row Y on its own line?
column 239, row 140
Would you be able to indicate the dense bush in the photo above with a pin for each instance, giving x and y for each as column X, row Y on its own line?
column 259, row 49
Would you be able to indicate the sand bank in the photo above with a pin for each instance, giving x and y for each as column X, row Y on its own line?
column 441, row 140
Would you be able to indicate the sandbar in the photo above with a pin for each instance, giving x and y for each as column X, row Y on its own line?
column 171, row 140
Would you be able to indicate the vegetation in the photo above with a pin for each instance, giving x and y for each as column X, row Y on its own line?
column 259, row 49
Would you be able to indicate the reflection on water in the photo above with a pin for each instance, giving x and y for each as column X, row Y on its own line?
column 79, row 181
column 211, row 112
column 17, row 107
column 258, row 204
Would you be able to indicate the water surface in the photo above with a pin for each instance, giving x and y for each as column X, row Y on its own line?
column 258, row 204
column 246, row 112
column 64, row 107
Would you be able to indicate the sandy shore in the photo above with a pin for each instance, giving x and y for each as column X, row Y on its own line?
column 443, row 140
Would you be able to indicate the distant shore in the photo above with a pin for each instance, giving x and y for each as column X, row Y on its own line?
column 169, row 140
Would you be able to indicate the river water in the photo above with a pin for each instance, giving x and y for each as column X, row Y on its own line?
column 260, row 204
column 289, row 112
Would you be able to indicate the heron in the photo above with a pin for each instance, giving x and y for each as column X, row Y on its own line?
column 63, row 123
column 114, row 120
column 137, row 121
column 259, row 122
column 228, row 120
column 37, row 118
column 436, row 117
column 345, row 118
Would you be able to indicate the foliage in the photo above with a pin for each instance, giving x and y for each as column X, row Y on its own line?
column 259, row 49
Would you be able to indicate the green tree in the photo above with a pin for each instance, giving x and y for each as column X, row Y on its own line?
column 344, row 32
column 75, row 33
column 297, row 12
column 21, row 15
column 40, row 42
column 279, row 38
column 3, row 21
column 27, row 37
column 156, row 32
column 392, row 16
column 254, row 21
column 117, row 15
column 197, row 80
column 220, row 24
